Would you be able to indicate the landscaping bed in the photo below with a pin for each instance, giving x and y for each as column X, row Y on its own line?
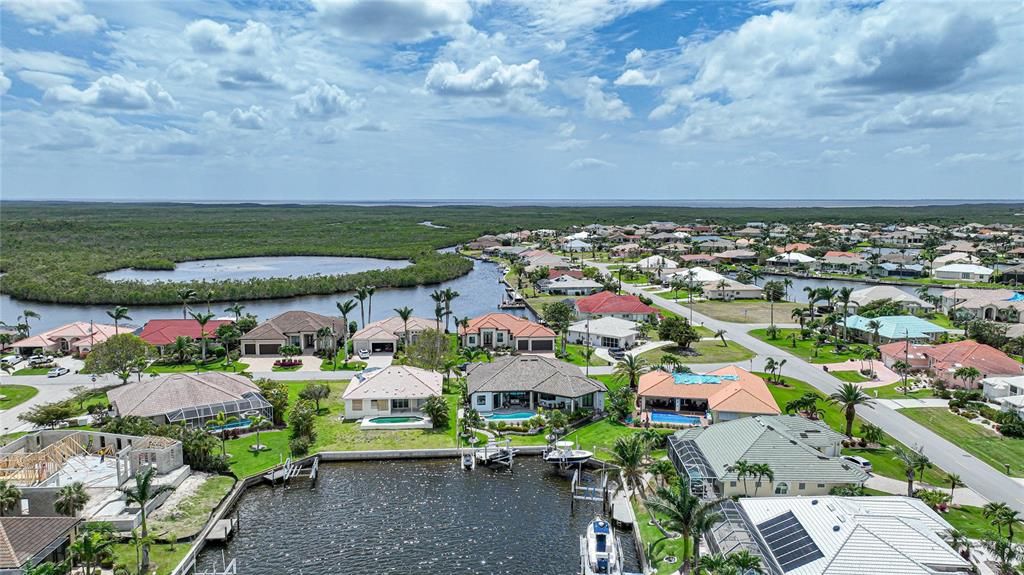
column 217, row 365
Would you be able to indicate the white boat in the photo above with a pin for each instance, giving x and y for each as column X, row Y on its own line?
column 600, row 549
column 565, row 452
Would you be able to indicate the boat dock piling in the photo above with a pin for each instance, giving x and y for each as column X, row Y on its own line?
column 583, row 492
column 292, row 469
column 229, row 568
column 496, row 453
column 223, row 529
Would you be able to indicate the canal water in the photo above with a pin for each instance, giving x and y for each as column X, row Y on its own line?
column 426, row 516
column 480, row 292
column 259, row 267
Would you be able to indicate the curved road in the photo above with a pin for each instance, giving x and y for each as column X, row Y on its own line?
column 977, row 474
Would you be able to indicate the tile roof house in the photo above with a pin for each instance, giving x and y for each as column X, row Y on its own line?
column 296, row 328
column 943, row 361
column 28, row 541
column 907, row 301
column 567, row 285
column 605, row 332
column 1008, row 392
column 727, row 393
column 394, row 389
column 791, row 259
column 532, row 381
column 163, row 332
column 894, row 328
column 503, row 330
column 844, row 262
column 191, row 398
column 77, row 338
column 383, row 336
column 803, row 455
column 963, row 272
column 832, row 535
column 608, row 304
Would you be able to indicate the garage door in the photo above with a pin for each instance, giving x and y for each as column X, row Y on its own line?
column 250, row 349
column 523, row 345
column 388, row 347
column 270, row 348
column 543, row 345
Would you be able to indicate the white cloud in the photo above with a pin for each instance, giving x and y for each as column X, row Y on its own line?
column 323, row 100
column 910, row 151
column 43, row 80
column 566, row 129
column 568, row 145
column 490, row 78
column 836, row 157
column 252, row 119
column 598, row 104
column 637, row 78
column 53, row 62
column 635, row 55
column 555, row 46
column 5, row 83
column 396, row 20
column 246, row 78
column 209, row 37
column 116, row 92
column 962, row 158
column 589, row 164
column 60, row 15
column 563, row 17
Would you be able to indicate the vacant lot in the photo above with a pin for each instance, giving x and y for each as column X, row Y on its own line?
column 982, row 443
column 746, row 311
column 807, row 349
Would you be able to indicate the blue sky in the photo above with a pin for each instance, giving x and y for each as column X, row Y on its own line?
column 355, row 100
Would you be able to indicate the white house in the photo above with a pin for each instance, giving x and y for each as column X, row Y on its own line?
column 394, row 389
column 696, row 274
column 605, row 332
column 531, row 381
column 656, row 262
column 963, row 272
column 794, row 259
column 576, row 246
column 729, row 290
column 1008, row 392
column 568, row 285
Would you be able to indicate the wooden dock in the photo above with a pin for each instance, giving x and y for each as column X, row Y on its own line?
column 222, row 530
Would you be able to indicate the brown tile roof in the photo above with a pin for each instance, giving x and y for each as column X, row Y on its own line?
column 291, row 322
column 986, row 359
column 21, row 538
column 748, row 393
column 175, row 391
column 393, row 327
column 517, row 326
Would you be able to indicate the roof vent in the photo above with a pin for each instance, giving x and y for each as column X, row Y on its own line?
column 814, row 501
column 835, row 528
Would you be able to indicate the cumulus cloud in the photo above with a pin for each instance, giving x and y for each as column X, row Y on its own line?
column 905, row 151
column 248, row 78
column 601, row 105
column 637, row 78
column 114, row 92
column 489, row 78
column 62, row 16
column 5, row 83
column 961, row 159
column 209, row 37
column 555, row 46
column 635, row 55
column 396, row 20
column 323, row 100
column 251, row 119
column 589, row 164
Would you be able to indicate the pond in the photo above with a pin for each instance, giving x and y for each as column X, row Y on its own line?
column 407, row 517
column 479, row 292
column 259, row 267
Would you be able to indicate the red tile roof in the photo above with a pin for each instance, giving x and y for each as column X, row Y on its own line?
column 516, row 326
column 969, row 353
column 608, row 302
column 164, row 331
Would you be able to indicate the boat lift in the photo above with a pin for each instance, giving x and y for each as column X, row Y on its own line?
column 291, row 469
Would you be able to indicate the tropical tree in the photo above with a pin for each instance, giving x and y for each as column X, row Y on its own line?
column 10, row 495
column 743, row 470
column 903, row 369
column 202, row 319
column 628, row 454
column 236, row 310
column 686, row 514
column 370, row 290
column 405, row 313
column 449, row 296
column 23, row 320
column 630, row 368
column 1007, row 555
column 181, row 349
column 559, row 317
column 315, row 392
column 773, row 291
column 812, row 298
column 992, row 511
column 872, row 433
column 436, row 408
column 745, row 562
column 761, row 471
column 71, row 499
column 90, row 546
column 843, row 297
column 186, row 296
column 325, row 340
column 220, row 423
column 874, row 326
column 720, row 334
column 258, row 423
column 914, row 463
column 848, row 398
column 661, row 470
column 120, row 354
column 141, row 494
column 799, row 314
column 117, row 314
column 361, row 295
column 345, row 308
column 967, row 374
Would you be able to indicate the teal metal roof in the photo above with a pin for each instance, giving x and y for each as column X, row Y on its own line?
column 896, row 326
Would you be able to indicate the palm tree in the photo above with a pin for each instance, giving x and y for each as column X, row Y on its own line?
column 688, row 515
column 138, row 542
column 202, row 319
column 449, row 296
column 992, row 512
column 1007, row 555
column 405, row 313
column 875, row 325
column 628, row 454
column 812, row 298
column 258, row 423
column 844, row 298
column 182, row 348
column 588, row 352
column 186, row 296
column 361, row 295
column 1008, row 518
column 370, row 290
column 345, row 308
column 912, row 462
column 236, row 309
column 954, row 482
column 71, row 499
column 90, row 546
column 325, row 339
column 10, row 495
column 25, row 316
column 221, row 421
column 762, row 471
column 117, row 314
column 786, row 284
column 967, row 374
column 661, row 470
column 745, row 562
column 141, row 494
column 903, row 369
column 630, row 368
column 720, row 334
column 743, row 470
column 849, row 397
column 798, row 315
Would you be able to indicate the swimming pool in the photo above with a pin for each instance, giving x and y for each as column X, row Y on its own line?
column 697, row 378
column 673, row 418
column 397, row 419
column 233, row 425
column 516, row 416
column 1017, row 296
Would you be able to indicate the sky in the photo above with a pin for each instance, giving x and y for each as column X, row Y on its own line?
column 581, row 100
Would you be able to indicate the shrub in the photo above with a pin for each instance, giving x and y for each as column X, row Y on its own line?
column 299, row 446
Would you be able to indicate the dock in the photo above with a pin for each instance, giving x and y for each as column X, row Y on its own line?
column 622, row 510
column 222, row 530
column 294, row 469
column 495, row 453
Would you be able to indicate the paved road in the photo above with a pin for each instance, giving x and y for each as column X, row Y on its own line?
column 978, row 475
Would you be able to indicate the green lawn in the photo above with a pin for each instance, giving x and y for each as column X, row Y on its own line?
column 15, row 394
column 32, row 371
column 649, row 534
column 982, row 443
column 891, row 392
column 701, row 330
column 600, row 436
column 849, row 376
column 710, row 351
column 805, row 348
column 574, row 355
column 746, row 310
column 191, row 514
column 969, row 521
column 941, row 320
column 218, row 365
column 354, row 364
column 538, row 302
column 289, row 368
column 881, row 458
column 163, row 557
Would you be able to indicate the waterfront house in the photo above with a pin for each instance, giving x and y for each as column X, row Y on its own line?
column 1008, row 392
column 792, row 260
column 608, row 304
column 721, row 395
column 383, row 336
column 737, row 256
column 716, row 245
column 696, row 274
column 576, row 245
column 627, row 250
column 605, row 332
column 28, row 541
column 893, row 328
column 962, row 246
column 729, row 290
column 537, row 259
column 954, row 258
column 844, row 263
column 991, row 305
column 531, row 381
column 297, row 328
column 898, row 270
column 803, row 455
column 77, row 338
column 831, row 535
column 162, row 332
column 568, row 285
column 908, row 302
column 189, row 398
column 507, row 331
column 963, row 272
column 392, row 390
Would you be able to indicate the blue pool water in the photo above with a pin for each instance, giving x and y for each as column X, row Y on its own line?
column 1018, row 296
column 519, row 415
column 694, row 378
column 232, row 425
column 674, row 418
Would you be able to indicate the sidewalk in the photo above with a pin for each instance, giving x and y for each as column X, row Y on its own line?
column 911, row 402
column 962, row 495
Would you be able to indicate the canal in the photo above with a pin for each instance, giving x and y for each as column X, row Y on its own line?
column 424, row 516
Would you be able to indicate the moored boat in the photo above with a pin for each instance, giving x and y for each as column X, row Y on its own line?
column 565, row 452
column 600, row 549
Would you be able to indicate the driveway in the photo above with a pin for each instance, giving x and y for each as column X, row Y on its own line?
column 379, row 360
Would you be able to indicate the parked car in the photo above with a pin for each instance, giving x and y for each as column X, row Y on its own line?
column 38, row 359
column 57, row 372
column 364, row 354
column 617, row 352
column 12, row 359
column 859, row 462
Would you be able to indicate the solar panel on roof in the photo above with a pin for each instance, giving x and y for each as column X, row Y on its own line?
column 789, row 542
